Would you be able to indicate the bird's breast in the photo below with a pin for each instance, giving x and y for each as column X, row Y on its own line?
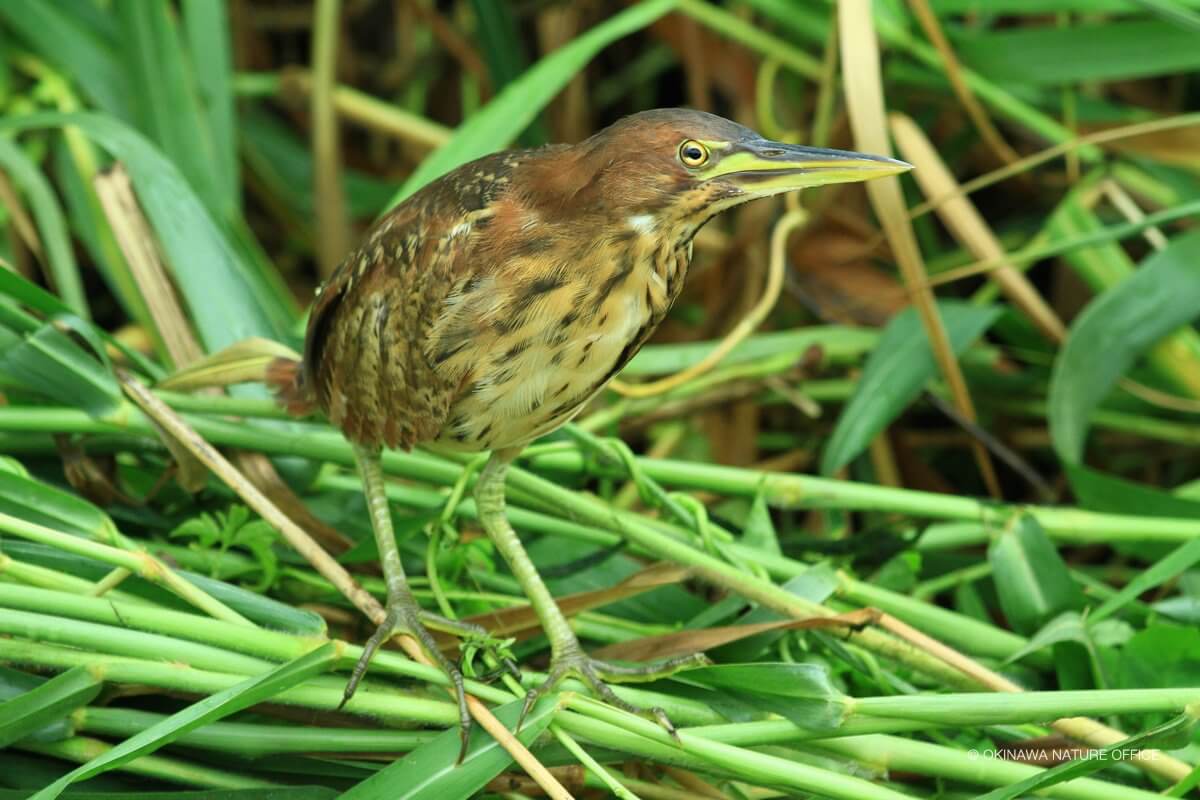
column 553, row 345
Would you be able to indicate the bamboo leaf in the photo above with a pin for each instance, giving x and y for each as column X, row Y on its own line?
column 895, row 373
column 1116, row 50
column 1113, row 331
column 1032, row 580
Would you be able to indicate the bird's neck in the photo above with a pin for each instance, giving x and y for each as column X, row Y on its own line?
column 662, row 252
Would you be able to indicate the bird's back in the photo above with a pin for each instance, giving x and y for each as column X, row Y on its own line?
column 479, row 313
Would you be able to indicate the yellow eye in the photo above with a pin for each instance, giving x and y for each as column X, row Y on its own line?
column 693, row 153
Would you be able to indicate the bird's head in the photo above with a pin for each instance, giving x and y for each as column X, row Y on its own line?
column 674, row 167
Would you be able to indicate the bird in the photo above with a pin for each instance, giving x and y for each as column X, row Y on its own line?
column 489, row 307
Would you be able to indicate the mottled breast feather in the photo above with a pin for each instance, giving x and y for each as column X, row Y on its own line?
column 375, row 366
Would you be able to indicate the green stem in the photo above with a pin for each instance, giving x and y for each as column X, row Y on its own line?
column 752, row 765
column 391, row 706
column 997, row 708
column 789, row 491
column 254, row 740
column 139, row 563
column 81, row 750
column 899, row 754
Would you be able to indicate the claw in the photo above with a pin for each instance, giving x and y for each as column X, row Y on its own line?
column 593, row 671
column 406, row 618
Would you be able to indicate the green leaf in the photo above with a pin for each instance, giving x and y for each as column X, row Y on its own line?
column 37, row 298
column 511, row 111
column 52, row 228
column 51, row 363
column 258, row 608
column 1175, row 563
column 1169, row 735
column 1113, row 331
column 951, row 8
column 1032, row 582
column 65, row 40
column 1071, row 627
column 283, row 162
column 897, row 370
column 759, row 531
column 203, row 262
column 1176, row 357
column 815, row 584
column 234, row 699
column 1046, row 55
column 801, row 692
column 206, row 27
column 35, row 501
column 1108, row 493
column 165, row 96
column 273, row 793
column 503, row 49
column 430, row 771
column 51, row 701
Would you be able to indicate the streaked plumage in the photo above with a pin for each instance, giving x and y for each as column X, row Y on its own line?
column 489, row 307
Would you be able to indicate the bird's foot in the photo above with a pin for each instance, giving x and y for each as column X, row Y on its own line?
column 574, row 663
column 405, row 617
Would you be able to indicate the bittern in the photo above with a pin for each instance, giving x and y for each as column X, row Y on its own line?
column 488, row 308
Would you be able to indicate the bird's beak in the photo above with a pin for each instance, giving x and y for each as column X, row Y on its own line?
column 763, row 167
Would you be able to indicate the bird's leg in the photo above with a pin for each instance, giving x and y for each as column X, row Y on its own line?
column 566, row 656
column 402, row 612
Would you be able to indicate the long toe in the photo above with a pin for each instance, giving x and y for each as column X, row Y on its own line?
column 596, row 673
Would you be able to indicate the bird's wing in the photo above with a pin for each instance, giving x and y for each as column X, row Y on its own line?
column 384, row 329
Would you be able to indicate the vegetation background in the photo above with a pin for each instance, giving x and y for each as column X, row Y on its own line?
column 956, row 457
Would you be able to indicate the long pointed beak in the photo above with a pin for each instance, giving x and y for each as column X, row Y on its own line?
column 764, row 167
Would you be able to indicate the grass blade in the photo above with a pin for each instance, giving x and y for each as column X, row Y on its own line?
column 65, row 40
column 210, row 709
column 167, row 108
column 1049, row 56
column 206, row 27
column 1113, row 331
column 895, row 373
column 1032, row 581
column 204, row 264
column 51, row 701
column 52, row 228
column 430, row 771
column 1174, row 733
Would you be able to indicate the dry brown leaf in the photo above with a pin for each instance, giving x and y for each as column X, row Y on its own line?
column 668, row 645
column 241, row 362
column 969, row 227
column 522, row 622
column 864, row 102
column 831, row 270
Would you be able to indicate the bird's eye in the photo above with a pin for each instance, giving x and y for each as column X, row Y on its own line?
column 693, row 154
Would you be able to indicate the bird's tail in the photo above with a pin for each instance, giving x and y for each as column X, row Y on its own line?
column 285, row 377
